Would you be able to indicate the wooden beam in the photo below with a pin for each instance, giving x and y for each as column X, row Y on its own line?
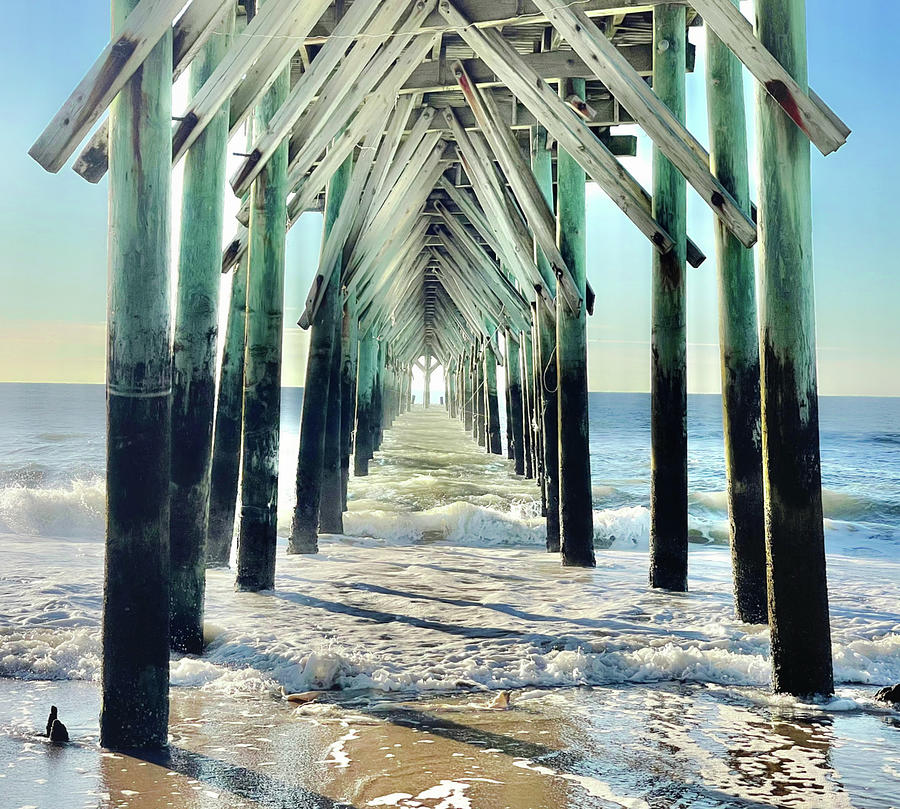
column 262, row 379
column 807, row 110
column 333, row 248
column 190, row 33
column 194, row 360
column 506, row 150
column 502, row 13
column 657, row 120
column 146, row 25
column 403, row 53
column 311, row 82
column 273, row 18
column 795, row 543
column 569, row 130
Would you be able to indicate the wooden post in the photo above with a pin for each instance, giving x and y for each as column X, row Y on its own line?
column 262, row 362
column 362, row 449
column 738, row 337
column 546, row 398
column 139, row 400
column 797, row 588
column 576, row 516
column 330, row 503
column 493, row 408
column 349, row 365
column 378, row 398
column 450, row 376
column 480, row 397
column 226, row 460
column 324, row 341
column 668, row 380
column 530, row 407
column 194, row 360
column 427, row 379
column 517, row 413
column 468, row 392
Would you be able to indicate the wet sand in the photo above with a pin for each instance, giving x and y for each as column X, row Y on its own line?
column 672, row 745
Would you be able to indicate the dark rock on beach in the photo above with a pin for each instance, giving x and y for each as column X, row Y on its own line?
column 890, row 693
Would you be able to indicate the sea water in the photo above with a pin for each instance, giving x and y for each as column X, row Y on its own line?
column 438, row 590
column 436, row 506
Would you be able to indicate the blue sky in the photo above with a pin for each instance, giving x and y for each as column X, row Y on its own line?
column 53, row 267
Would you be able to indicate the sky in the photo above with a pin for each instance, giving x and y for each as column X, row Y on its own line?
column 53, row 266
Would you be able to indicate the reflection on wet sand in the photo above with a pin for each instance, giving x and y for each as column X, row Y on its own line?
column 671, row 746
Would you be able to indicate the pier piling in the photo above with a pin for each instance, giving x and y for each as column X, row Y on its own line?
column 194, row 359
column 576, row 526
column 134, row 711
column 668, row 366
column 795, row 543
column 738, row 337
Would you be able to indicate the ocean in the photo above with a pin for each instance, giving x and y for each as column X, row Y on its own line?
column 440, row 588
column 52, row 463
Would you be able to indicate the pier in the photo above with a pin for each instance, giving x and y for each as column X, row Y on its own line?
column 448, row 144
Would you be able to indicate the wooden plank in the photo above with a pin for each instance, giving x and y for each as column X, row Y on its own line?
column 309, row 143
column 126, row 52
column 820, row 124
column 657, row 120
column 272, row 19
column 506, row 149
column 491, row 197
column 383, row 161
column 569, row 130
column 260, row 76
column 190, row 33
column 433, row 76
column 337, row 237
column 312, row 80
column 342, row 147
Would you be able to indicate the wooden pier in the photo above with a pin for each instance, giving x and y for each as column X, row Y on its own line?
column 448, row 143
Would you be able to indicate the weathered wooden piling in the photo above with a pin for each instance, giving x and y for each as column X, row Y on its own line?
column 546, row 398
column 481, row 424
column 226, row 458
column 668, row 368
column 331, row 500
column 468, row 393
column 795, row 546
column 194, row 359
column 492, row 406
column 324, row 341
column 349, row 366
column 427, row 379
column 738, row 337
column 531, row 407
column 362, row 450
column 378, row 398
column 516, row 405
column 134, row 710
column 576, row 516
column 262, row 360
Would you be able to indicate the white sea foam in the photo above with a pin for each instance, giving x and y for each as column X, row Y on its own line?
column 76, row 510
column 442, row 582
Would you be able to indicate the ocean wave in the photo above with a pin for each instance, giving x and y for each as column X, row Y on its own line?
column 234, row 668
column 77, row 510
